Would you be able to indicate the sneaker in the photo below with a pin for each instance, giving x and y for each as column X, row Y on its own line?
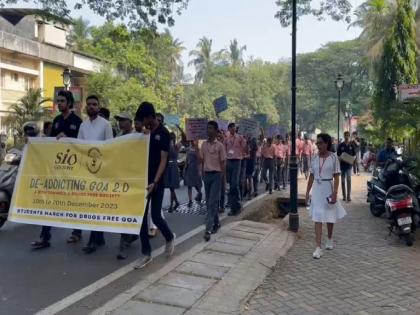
column 122, row 254
column 190, row 204
column 329, row 244
column 142, row 262
column 317, row 253
column 170, row 246
column 207, row 236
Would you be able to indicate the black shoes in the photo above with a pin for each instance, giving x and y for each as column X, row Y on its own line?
column 40, row 244
column 216, row 228
column 207, row 236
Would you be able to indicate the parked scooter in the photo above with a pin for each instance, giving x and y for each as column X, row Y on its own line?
column 8, row 172
column 394, row 190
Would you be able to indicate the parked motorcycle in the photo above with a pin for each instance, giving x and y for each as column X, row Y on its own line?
column 394, row 190
column 8, row 173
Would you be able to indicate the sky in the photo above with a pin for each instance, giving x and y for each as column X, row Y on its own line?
column 252, row 23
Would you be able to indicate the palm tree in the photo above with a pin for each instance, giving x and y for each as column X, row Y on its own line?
column 28, row 108
column 80, row 34
column 203, row 58
column 375, row 18
column 236, row 53
column 176, row 64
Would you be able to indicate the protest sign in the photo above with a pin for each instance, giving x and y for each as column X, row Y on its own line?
column 248, row 127
column 220, row 104
column 171, row 120
column 196, row 128
column 261, row 118
column 223, row 124
column 276, row 130
column 80, row 184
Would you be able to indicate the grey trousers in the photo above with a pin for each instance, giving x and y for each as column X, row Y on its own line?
column 346, row 179
column 268, row 165
column 212, row 184
column 233, row 169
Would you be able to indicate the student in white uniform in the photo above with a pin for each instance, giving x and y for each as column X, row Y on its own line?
column 324, row 181
column 94, row 128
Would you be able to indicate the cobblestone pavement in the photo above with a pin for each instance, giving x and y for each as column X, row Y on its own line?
column 367, row 272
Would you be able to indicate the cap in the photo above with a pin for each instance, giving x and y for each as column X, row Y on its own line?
column 123, row 115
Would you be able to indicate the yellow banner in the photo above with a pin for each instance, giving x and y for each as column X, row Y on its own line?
column 88, row 185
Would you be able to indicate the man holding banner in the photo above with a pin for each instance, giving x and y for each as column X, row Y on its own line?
column 235, row 146
column 94, row 128
column 66, row 124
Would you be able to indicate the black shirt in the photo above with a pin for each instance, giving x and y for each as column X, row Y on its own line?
column 349, row 149
column 159, row 141
column 70, row 126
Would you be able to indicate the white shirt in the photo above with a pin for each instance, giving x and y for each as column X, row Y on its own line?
column 98, row 129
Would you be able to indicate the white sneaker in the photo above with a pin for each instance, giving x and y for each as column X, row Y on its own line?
column 317, row 253
column 170, row 246
column 329, row 244
column 142, row 262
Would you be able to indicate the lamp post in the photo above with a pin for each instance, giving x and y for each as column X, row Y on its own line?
column 339, row 83
column 66, row 78
column 293, row 215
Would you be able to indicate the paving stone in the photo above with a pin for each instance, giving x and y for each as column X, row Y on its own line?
column 144, row 308
column 202, row 269
column 244, row 235
column 216, row 258
column 243, row 228
column 170, row 295
column 236, row 241
column 228, row 248
column 256, row 225
column 358, row 277
column 181, row 280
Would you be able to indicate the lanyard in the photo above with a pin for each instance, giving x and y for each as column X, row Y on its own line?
column 321, row 166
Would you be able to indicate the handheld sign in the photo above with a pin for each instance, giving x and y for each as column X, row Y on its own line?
column 261, row 118
column 220, row 104
column 248, row 127
column 171, row 120
column 196, row 128
column 223, row 124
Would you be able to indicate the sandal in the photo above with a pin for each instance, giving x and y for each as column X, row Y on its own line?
column 40, row 244
column 152, row 232
column 74, row 239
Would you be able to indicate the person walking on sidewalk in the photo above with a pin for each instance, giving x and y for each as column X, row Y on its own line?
column 234, row 145
column 158, row 158
column 356, row 143
column 268, row 154
column 323, row 182
column 213, row 156
column 346, row 168
column 250, row 167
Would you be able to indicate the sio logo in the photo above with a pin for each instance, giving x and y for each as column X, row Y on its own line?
column 94, row 160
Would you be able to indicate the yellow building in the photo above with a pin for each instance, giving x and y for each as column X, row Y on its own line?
column 34, row 53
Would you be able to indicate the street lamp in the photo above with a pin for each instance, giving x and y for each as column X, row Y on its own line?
column 66, row 78
column 339, row 83
column 293, row 167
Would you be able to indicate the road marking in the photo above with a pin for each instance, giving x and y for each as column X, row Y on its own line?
column 103, row 282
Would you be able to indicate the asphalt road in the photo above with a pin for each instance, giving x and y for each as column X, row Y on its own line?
column 31, row 280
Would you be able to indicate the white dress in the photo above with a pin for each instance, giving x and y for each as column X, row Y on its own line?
column 323, row 170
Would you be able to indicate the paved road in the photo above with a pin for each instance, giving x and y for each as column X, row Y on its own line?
column 31, row 280
column 367, row 272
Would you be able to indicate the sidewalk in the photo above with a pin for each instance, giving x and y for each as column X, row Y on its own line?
column 367, row 272
column 210, row 278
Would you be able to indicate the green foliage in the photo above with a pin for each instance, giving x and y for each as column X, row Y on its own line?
column 136, row 13
column 398, row 66
column 336, row 9
column 28, row 108
column 142, row 65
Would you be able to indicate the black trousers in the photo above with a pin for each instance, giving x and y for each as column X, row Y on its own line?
column 46, row 233
column 154, row 204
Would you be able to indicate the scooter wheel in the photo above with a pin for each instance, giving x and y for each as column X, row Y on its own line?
column 408, row 240
column 2, row 221
column 376, row 211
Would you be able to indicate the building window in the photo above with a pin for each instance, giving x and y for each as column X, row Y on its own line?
column 15, row 77
column 29, row 83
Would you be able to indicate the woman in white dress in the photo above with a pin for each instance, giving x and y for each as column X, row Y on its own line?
column 324, row 181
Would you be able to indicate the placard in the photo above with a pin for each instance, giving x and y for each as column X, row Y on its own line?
column 220, row 104
column 248, row 127
column 196, row 128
